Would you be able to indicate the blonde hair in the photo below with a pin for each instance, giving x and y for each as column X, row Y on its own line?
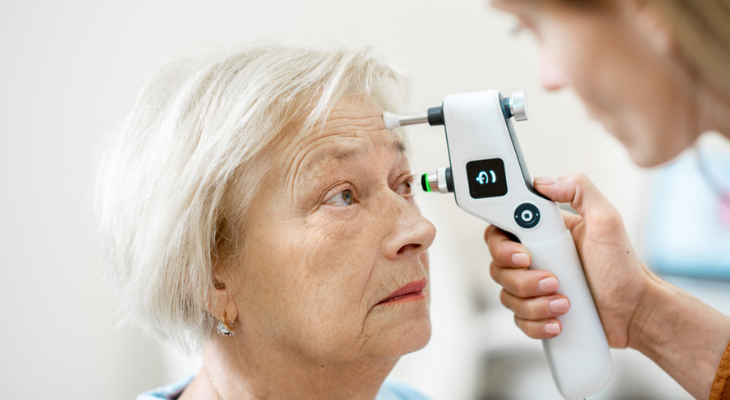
column 175, row 182
column 701, row 29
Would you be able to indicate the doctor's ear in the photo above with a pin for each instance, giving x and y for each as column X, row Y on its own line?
column 653, row 27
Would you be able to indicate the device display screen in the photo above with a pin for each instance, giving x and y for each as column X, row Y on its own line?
column 486, row 178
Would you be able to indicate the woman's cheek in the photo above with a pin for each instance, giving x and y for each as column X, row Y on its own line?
column 333, row 250
column 333, row 302
column 336, row 223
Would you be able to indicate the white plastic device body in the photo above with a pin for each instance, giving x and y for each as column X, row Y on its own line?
column 477, row 129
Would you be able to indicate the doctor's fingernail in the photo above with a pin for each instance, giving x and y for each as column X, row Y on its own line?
column 521, row 260
column 548, row 285
column 544, row 181
column 559, row 306
column 552, row 328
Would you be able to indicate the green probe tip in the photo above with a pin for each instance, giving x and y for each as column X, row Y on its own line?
column 424, row 183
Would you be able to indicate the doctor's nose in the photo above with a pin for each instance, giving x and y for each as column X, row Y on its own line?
column 551, row 74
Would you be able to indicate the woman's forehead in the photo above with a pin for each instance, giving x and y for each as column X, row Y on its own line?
column 354, row 125
column 351, row 117
column 339, row 149
column 353, row 131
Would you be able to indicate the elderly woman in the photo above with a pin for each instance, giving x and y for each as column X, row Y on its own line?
column 257, row 209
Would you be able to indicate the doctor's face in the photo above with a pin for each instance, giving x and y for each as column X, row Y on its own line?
column 619, row 63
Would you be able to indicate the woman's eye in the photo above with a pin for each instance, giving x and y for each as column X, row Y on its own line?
column 405, row 188
column 341, row 199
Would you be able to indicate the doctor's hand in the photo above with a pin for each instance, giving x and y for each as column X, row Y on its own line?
column 616, row 276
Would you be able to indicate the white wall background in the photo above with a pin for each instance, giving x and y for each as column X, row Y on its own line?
column 69, row 72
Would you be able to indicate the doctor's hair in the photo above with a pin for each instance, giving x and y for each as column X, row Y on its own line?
column 175, row 182
column 700, row 30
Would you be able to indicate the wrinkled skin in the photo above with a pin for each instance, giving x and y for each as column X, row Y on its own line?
column 315, row 271
column 333, row 231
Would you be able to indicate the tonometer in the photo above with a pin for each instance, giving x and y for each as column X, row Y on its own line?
column 489, row 179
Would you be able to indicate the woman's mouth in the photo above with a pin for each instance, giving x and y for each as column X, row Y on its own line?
column 411, row 291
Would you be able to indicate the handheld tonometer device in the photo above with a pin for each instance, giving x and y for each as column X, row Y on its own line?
column 489, row 179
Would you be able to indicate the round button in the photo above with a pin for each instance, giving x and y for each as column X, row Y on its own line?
column 527, row 216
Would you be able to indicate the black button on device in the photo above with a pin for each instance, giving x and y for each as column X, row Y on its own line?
column 527, row 215
column 486, row 178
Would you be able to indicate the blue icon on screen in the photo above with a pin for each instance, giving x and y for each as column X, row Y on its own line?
column 490, row 177
column 483, row 177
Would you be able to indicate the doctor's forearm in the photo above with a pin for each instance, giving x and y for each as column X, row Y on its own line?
column 684, row 336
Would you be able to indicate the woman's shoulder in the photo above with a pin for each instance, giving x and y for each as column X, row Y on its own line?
column 168, row 392
column 392, row 390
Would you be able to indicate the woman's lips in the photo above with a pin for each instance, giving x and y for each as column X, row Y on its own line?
column 411, row 290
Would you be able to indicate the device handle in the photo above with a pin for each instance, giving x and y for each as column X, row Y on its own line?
column 579, row 357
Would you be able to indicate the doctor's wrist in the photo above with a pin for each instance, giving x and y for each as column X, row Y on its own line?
column 683, row 335
column 645, row 331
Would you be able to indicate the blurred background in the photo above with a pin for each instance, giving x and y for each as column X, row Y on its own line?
column 70, row 71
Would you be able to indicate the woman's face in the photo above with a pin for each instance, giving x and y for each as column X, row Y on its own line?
column 332, row 234
column 617, row 61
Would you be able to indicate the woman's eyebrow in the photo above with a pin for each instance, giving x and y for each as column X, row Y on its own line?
column 399, row 146
column 342, row 154
column 310, row 169
column 349, row 153
column 338, row 153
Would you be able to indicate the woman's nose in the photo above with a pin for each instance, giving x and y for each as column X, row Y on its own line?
column 411, row 234
column 551, row 75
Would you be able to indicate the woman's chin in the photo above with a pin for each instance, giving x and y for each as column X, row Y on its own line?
column 401, row 338
column 418, row 337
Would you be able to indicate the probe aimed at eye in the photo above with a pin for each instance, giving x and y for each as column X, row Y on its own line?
column 489, row 179
column 442, row 180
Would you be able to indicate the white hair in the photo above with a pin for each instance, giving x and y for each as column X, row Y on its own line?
column 175, row 182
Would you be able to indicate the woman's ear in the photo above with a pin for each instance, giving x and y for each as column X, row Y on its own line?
column 221, row 303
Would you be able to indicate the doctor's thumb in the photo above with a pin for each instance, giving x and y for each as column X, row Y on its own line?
column 576, row 189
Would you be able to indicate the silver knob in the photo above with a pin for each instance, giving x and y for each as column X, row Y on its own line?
column 518, row 105
column 442, row 181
